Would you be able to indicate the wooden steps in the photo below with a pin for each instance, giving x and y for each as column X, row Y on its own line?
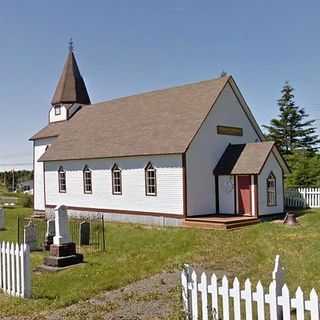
column 38, row 214
column 220, row 222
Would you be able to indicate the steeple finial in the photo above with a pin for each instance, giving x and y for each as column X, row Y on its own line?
column 71, row 45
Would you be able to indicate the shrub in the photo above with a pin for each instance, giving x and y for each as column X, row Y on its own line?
column 26, row 201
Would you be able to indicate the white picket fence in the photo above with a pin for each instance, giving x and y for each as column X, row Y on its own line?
column 212, row 299
column 302, row 197
column 15, row 269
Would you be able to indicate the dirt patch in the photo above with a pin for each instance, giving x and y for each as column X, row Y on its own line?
column 145, row 299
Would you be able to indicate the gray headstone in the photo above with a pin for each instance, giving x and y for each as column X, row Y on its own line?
column 51, row 229
column 84, row 233
column 30, row 236
column 1, row 218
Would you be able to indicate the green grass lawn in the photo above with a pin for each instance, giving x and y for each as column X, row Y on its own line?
column 135, row 252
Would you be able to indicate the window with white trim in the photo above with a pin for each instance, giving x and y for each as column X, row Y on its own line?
column 62, row 180
column 57, row 110
column 150, row 180
column 271, row 190
column 116, row 180
column 87, row 180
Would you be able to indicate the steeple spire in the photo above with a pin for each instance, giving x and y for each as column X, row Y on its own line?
column 71, row 87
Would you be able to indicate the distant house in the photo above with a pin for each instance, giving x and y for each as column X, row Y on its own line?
column 25, row 186
column 157, row 157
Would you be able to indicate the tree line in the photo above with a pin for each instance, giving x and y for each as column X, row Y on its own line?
column 296, row 137
column 10, row 179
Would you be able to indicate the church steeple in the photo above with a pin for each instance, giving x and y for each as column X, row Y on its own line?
column 71, row 87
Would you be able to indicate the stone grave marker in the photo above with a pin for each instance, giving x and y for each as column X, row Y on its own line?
column 50, row 233
column 1, row 219
column 63, row 250
column 30, row 236
column 84, row 233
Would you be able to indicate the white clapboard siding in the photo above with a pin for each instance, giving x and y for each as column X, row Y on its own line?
column 302, row 197
column 15, row 269
column 201, row 299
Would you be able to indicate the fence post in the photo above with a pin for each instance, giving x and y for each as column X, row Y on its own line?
column 278, row 278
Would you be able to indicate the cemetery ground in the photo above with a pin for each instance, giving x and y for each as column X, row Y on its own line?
column 155, row 256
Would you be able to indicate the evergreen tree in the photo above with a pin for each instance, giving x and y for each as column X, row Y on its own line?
column 291, row 131
column 305, row 170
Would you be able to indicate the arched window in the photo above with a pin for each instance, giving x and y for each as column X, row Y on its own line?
column 271, row 190
column 150, row 180
column 116, row 180
column 87, row 180
column 62, row 180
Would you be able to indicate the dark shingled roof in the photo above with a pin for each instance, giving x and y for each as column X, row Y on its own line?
column 71, row 87
column 243, row 158
column 157, row 122
column 51, row 130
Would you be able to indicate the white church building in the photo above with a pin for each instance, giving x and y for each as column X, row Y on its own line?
column 161, row 157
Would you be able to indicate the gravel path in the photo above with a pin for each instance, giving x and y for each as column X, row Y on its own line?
column 148, row 299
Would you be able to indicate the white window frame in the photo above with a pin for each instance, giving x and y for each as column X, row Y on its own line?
column 62, row 180
column 87, row 180
column 116, row 176
column 150, row 180
column 57, row 110
column 271, row 190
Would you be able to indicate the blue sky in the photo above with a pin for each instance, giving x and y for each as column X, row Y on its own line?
column 126, row 47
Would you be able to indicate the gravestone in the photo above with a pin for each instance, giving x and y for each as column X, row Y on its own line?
column 84, row 233
column 50, row 233
column 1, row 219
column 30, row 236
column 62, row 251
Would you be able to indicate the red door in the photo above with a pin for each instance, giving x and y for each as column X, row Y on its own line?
column 244, row 194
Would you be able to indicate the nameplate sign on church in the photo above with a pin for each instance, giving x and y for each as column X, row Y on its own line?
column 230, row 131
